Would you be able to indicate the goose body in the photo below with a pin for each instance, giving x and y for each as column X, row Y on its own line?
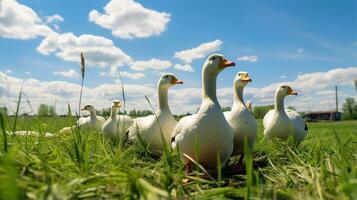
column 29, row 133
column 150, row 130
column 240, row 117
column 92, row 122
column 116, row 125
column 206, row 135
column 282, row 123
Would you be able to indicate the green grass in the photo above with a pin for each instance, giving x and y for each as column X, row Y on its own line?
column 88, row 166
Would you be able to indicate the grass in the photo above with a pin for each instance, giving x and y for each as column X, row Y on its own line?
column 85, row 165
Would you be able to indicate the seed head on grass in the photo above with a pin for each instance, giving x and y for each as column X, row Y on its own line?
column 83, row 69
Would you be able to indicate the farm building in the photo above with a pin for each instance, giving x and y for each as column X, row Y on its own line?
column 323, row 115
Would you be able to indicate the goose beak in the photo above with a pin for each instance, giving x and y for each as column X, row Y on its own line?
column 226, row 63
column 176, row 81
column 83, row 109
column 292, row 92
column 117, row 104
column 246, row 79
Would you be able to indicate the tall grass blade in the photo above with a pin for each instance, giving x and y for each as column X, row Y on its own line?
column 2, row 126
column 249, row 168
column 17, row 112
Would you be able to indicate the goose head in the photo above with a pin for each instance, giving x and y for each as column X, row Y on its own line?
column 89, row 108
column 284, row 90
column 116, row 104
column 167, row 80
column 215, row 63
column 242, row 79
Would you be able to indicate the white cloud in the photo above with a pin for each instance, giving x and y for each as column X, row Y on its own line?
column 129, row 19
column 187, row 56
column 132, row 75
column 114, row 72
column 54, row 18
column 184, row 67
column 18, row 21
column 300, row 51
column 28, row 73
column 154, row 64
column 251, row 59
column 70, row 73
column 65, row 93
column 8, row 71
column 283, row 76
column 98, row 51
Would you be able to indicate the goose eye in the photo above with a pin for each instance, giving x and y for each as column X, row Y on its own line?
column 166, row 76
column 213, row 58
column 283, row 87
column 239, row 74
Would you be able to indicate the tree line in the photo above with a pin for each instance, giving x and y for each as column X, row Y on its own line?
column 349, row 111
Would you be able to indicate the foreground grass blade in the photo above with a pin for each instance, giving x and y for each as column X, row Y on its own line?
column 17, row 111
column 3, row 130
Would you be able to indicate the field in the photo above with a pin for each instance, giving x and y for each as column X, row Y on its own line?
column 84, row 165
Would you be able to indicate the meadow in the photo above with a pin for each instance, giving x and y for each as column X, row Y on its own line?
column 84, row 165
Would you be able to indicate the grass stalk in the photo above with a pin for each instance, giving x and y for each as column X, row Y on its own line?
column 17, row 111
column 83, row 68
column 3, row 130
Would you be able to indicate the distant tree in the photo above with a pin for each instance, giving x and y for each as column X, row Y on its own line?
column 25, row 114
column 42, row 110
column 291, row 108
column 51, row 111
column 260, row 111
column 105, row 112
column 45, row 110
column 4, row 110
column 140, row 113
column 350, row 109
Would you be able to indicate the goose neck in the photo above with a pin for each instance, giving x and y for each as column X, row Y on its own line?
column 238, row 97
column 93, row 114
column 209, row 86
column 113, row 113
column 163, row 98
column 279, row 103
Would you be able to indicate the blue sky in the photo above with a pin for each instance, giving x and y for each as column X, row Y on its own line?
column 275, row 41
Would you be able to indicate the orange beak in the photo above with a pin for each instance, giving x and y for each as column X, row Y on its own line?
column 118, row 104
column 176, row 81
column 246, row 79
column 291, row 92
column 226, row 63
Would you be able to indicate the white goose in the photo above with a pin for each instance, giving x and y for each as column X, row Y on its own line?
column 240, row 118
column 148, row 129
column 29, row 133
column 92, row 122
column 280, row 122
column 207, row 134
column 116, row 125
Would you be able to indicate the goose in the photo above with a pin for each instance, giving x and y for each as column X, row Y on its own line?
column 150, row 129
column 29, row 133
column 240, row 118
column 204, row 136
column 91, row 122
column 280, row 122
column 116, row 125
